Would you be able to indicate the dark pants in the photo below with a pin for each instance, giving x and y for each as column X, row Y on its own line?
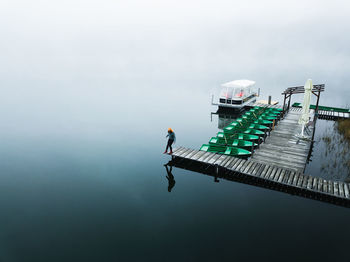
column 170, row 142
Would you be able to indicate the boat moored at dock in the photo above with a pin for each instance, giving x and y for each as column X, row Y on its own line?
column 237, row 94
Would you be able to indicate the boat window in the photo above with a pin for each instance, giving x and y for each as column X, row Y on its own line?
column 226, row 93
column 239, row 92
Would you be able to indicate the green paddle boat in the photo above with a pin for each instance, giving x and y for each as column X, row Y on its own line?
column 258, row 127
column 237, row 136
column 254, row 132
column 232, row 142
column 237, row 152
column 227, row 150
column 213, row 148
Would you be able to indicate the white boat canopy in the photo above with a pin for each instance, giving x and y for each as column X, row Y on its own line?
column 239, row 84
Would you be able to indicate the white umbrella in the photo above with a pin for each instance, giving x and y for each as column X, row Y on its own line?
column 304, row 118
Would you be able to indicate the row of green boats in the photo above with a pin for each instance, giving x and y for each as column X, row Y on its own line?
column 243, row 135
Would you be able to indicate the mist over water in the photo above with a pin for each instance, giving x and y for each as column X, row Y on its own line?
column 88, row 90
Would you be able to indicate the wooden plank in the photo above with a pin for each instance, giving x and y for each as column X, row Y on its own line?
column 185, row 153
column 240, row 165
column 220, row 160
column 263, row 172
column 325, row 186
column 300, row 180
column 210, row 156
column 336, row 188
column 286, row 177
column 305, row 181
column 309, row 182
column 330, row 187
column 269, row 171
column 226, row 161
column 198, row 155
column 277, row 175
column 213, row 159
column 272, row 174
column 320, row 184
column 234, row 167
column 188, row 153
column 176, row 150
column 346, row 190
column 341, row 189
column 291, row 178
column 248, row 167
column 283, row 172
column 179, row 152
column 252, row 168
column 205, row 156
column 258, row 168
column 243, row 167
column 314, row 183
column 189, row 156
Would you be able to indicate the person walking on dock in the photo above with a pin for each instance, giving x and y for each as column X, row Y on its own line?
column 171, row 140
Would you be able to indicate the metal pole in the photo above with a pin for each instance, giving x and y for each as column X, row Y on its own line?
column 269, row 101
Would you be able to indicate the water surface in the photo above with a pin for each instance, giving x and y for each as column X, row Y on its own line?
column 88, row 90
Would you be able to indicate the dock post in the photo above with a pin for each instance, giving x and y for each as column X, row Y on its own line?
column 289, row 102
column 269, row 101
column 284, row 104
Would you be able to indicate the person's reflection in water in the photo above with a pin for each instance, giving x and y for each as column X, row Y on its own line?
column 170, row 176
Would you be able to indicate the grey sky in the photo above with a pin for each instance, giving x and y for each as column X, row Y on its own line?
column 196, row 43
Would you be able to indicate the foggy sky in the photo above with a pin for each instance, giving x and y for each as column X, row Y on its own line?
column 138, row 47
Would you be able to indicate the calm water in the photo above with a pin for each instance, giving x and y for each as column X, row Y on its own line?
column 88, row 90
column 82, row 179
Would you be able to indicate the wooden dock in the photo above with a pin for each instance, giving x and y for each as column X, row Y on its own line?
column 331, row 115
column 253, row 104
column 283, row 147
column 263, row 175
column 278, row 164
column 322, row 114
